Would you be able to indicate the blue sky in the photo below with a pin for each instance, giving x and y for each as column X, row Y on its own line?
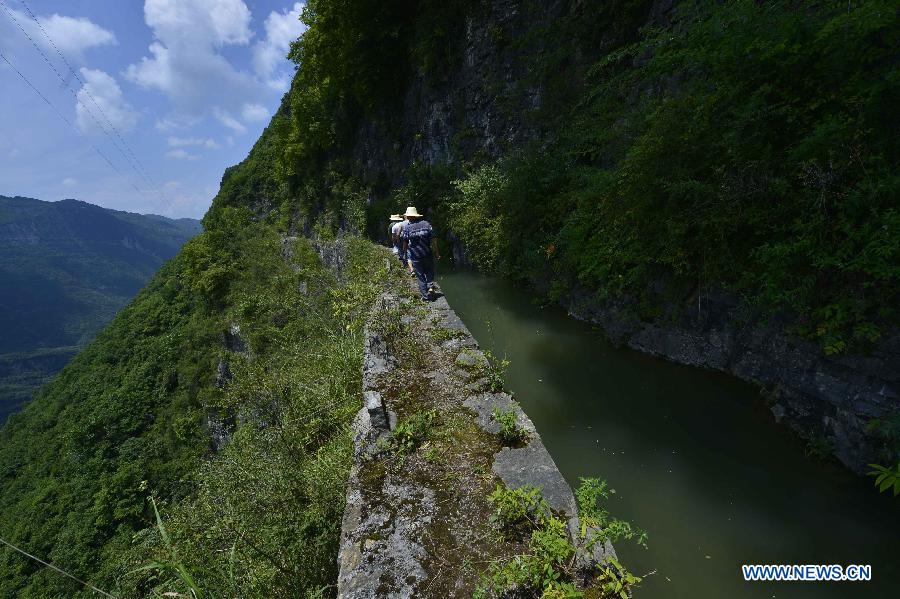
column 169, row 91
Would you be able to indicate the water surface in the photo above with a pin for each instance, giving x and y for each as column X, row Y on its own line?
column 695, row 457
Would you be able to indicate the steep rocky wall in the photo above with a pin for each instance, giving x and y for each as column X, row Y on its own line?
column 417, row 516
column 479, row 107
column 824, row 398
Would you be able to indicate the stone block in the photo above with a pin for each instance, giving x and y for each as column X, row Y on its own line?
column 377, row 413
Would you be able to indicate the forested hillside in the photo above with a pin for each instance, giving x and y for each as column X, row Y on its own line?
column 65, row 269
column 633, row 152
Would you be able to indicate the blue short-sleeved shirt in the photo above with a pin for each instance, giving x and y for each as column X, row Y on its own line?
column 419, row 235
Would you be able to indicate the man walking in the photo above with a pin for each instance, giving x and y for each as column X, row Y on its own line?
column 420, row 248
column 396, row 226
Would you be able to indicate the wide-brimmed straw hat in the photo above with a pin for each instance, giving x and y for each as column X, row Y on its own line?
column 411, row 211
column 396, row 218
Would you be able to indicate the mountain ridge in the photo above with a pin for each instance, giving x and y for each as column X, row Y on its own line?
column 66, row 268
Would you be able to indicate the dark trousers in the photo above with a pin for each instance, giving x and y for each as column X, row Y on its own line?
column 424, row 270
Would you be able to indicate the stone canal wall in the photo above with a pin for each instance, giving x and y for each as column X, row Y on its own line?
column 428, row 454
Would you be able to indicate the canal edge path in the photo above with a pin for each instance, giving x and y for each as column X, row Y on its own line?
column 417, row 522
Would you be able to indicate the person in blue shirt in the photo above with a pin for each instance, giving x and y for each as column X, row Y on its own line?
column 420, row 248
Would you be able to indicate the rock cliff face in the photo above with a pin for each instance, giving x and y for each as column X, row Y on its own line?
column 479, row 107
column 828, row 399
column 484, row 105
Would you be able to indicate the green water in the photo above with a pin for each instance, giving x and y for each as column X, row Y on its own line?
column 694, row 456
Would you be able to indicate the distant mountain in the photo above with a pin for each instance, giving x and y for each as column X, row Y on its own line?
column 65, row 269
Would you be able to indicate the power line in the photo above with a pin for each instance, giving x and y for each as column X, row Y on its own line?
column 77, row 99
column 60, row 570
column 87, row 90
column 65, row 120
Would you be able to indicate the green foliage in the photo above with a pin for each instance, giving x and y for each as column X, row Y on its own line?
column 510, row 431
column 548, row 568
column 743, row 145
column 411, row 433
column 476, row 215
column 74, row 462
column 886, row 478
column 211, row 259
column 747, row 146
column 483, row 364
column 258, row 184
column 774, row 179
column 518, row 510
column 134, row 410
column 495, row 371
column 365, row 277
column 438, row 31
column 172, row 566
column 614, row 580
column 355, row 47
column 596, row 522
column 297, row 396
column 441, row 334
column 551, row 545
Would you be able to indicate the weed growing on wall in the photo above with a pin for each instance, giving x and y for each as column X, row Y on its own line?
column 549, row 567
column 510, row 431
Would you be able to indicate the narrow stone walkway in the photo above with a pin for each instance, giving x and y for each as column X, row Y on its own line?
column 427, row 456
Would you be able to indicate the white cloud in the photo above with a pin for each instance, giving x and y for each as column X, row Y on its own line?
column 268, row 55
column 180, row 142
column 185, row 63
column 101, row 90
column 74, row 35
column 69, row 182
column 216, row 22
column 228, row 120
column 180, row 154
column 252, row 113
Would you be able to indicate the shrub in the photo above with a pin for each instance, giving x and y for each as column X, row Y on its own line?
column 589, row 495
column 494, row 371
column 510, row 431
column 476, row 215
column 518, row 510
column 548, row 568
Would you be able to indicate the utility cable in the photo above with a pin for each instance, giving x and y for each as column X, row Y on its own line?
column 65, row 120
column 90, row 113
column 60, row 570
column 87, row 90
